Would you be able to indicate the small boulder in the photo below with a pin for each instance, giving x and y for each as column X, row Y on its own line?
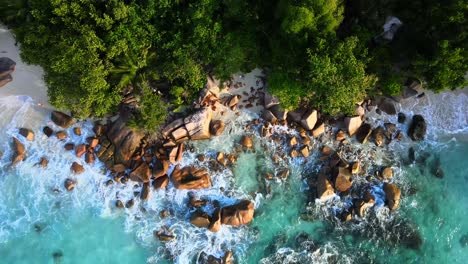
column 215, row 221
column 48, row 131
column 80, row 150
column 353, row 124
column 401, row 118
column 319, row 130
column 69, row 184
column 387, row 106
column 343, row 180
column 92, row 142
column 61, row 119
column 387, row 173
column 43, row 162
column 238, row 214
column 62, row 135
column 304, row 150
column 77, row 168
column 221, row 159
column 246, row 141
column 392, row 195
column 417, row 129
column 363, row 133
column 379, row 136
column 340, row 135
column 27, row 133
column 77, row 131
column 164, row 234
column 216, row 127
column 324, row 187
column 356, row 168
column 309, row 119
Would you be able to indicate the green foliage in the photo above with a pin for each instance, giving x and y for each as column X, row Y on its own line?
column 337, row 76
column 93, row 50
column 151, row 111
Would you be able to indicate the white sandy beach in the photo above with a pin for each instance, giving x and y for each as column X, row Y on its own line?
column 27, row 79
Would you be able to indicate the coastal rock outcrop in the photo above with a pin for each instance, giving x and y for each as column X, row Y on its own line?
column 198, row 124
column 125, row 140
column 61, row 119
column 238, row 214
column 417, row 129
column 190, row 178
column 141, row 173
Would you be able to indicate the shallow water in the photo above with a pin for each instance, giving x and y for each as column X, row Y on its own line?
column 42, row 223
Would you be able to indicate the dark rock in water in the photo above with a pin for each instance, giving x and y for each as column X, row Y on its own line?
column 119, row 204
column 417, row 129
column 190, row 178
column 69, row 146
column 204, row 258
column 69, row 184
column 7, row 66
column 48, row 131
column 401, row 118
column 145, row 192
column 464, row 240
column 57, row 255
column 420, row 95
column 38, row 227
column 27, row 133
column 62, row 119
column 129, row 203
column 379, row 136
column 436, row 168
column 43, row 162
column 5, row 79
column 363, row 133
column 410, row 237
column 62, row 135
column 411, row 155
column 200, row 219
column 77, row 131
column 392, row 195
column 246, row 141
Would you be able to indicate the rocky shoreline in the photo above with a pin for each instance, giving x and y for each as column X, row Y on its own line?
column 344, row 172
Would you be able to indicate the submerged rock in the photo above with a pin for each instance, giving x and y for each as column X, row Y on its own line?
column 401, row 118
column 47, row 131
column 238, row 214
column 417, row 129
column 61, row 119
column 464, row 240
column 165, row 234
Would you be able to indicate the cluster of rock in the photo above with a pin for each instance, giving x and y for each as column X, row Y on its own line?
column 7, row 67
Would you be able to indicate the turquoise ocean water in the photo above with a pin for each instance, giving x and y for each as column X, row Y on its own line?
column 42, row 223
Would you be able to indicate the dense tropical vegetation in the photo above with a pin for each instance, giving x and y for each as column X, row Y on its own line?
column 324, row 53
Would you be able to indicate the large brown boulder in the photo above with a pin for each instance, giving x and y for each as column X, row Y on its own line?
column 392, row 195
column 190, row 178
column 145, row 192
column 18, row 151
column 198, row 124
column 324, row 187
column 7, row 66
column 27, row 133
column 125, row 140
column 353, row 124
column 309, row 119
column 417, row 129
column 62, row 119
column 160, row 182
column 200, row 219
column 216, row 127
column 215, row 221
column 160, row 168
column 363, row 133
column 238, row 214
column 80, row 150
column 141, row 173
